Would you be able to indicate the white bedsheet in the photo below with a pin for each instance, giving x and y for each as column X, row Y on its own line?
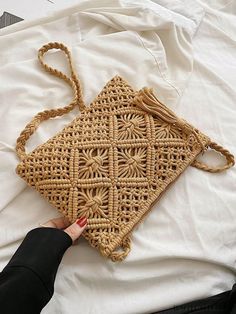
column 185, row 248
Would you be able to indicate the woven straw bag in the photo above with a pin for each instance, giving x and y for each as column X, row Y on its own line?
column 113, row 161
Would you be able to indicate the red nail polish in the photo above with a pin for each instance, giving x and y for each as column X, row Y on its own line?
column 82, row 221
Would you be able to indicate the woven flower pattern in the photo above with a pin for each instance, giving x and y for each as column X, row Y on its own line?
column 166, row 131
column 131, row 126
column 93, row 203
column 132, row 162
column 93, row 163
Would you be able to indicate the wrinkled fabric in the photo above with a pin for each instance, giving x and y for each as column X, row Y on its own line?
column 185, row 248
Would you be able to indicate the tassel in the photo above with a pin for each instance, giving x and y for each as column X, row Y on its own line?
column 146, row 100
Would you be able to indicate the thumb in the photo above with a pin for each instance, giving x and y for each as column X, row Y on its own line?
column 76, row 229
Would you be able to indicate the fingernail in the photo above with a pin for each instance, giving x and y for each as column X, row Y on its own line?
column 82, row 221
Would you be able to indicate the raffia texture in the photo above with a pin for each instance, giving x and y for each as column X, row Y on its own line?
column 114, row 161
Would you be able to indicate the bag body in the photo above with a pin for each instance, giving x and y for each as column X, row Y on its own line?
column 113, row 161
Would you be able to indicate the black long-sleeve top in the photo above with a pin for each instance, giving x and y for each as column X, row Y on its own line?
column 27, row 281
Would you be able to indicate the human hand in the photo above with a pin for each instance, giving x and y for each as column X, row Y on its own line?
column 73, row 230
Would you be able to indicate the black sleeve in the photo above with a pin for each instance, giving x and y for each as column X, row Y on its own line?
column 27, row 281
column 233, row 299
column 222, row 303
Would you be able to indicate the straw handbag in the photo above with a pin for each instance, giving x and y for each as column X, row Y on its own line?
column 113, row 161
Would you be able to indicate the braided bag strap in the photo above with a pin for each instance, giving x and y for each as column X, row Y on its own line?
column 224, row 152
column 73, row 81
